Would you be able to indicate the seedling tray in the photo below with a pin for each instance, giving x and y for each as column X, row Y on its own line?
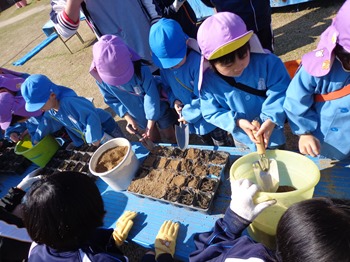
column 76, row 159
column 10, row 162
column 188, row 178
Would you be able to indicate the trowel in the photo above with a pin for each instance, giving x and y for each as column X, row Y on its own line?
column 265, row 169
column 182, row 134
column 145, row 141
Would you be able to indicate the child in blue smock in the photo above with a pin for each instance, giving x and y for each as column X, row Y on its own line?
column 14, row 118
column 240, row 82
column 83, row 122
column 129, row 88
column 317, row 100
column 179, row 59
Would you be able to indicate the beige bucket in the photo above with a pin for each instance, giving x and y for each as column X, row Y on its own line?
column 118, row 178
column 294, row 170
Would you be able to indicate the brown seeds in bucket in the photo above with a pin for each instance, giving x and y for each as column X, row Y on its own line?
column 111, row 158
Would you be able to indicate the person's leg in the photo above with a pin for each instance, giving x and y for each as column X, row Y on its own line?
column 155, row 135
column 206, row 139
column 112, row 128
column 168, row 134
column 266, row 38
column 221, row 137
column 166, row 125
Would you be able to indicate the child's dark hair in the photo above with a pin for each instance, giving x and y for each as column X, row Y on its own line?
column 342, row 54
column 315, row 230
column 138, row 64
column 63, row 210
column 17, row 119
column 231, row 57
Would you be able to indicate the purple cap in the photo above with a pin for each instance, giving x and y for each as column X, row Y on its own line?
column 11, row 82
column 12, row 105
column 319, row 61
column 221, row 34
column 112, row 61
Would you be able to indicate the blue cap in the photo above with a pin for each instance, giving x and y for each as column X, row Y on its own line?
column 36, row 90
column 168, row 43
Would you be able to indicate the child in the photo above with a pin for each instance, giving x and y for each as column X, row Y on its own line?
column 14, row 239
column 63, row 214
column 314, row 230
column 14, row 119
column 317, row 100
column 129, row 88
column 83, row 122
column 244, row 83
column 179, row 59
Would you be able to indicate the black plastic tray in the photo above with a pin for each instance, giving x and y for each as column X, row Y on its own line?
column 10, row 162
column 76, row 159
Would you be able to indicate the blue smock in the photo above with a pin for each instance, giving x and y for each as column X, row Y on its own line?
column 84, row 123
column 328, row 121
column 138, row 97
column 222, row 104
column 182, row 84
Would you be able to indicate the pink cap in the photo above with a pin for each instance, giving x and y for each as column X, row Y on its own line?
column 12, row 105
column 112, row 61
column 221, row 34
column 319, row 61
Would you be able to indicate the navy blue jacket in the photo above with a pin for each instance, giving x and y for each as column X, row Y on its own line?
column 226, row 241
column 255, row 13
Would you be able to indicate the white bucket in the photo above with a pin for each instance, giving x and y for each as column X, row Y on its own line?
column 118, row 178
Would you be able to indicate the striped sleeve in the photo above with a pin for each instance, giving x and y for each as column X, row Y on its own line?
column 63, row 24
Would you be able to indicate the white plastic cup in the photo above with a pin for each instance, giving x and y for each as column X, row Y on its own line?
column 120, row 177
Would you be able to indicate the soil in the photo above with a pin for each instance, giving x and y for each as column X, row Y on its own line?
column 111, row 158
column 180, row 176
column 283, row 189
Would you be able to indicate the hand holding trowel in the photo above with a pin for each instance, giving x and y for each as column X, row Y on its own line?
column 265, row 170
column 145, row 141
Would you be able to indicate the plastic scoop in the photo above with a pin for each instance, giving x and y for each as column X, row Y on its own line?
column 265, row 169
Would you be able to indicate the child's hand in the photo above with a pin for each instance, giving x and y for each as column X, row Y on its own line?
column 266, row 131
column 178, row 105
column 248, row 128
column 15, row 137
column 309, row 145
column 133, row 125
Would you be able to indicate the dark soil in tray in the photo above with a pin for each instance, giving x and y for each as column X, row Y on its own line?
column 187, row 178
column 10, row 162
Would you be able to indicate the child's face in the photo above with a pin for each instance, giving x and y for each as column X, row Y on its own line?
column 50, row 103
column 235, row 68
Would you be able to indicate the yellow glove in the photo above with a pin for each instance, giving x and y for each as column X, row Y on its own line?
column 124, row 224
column 166, row 238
